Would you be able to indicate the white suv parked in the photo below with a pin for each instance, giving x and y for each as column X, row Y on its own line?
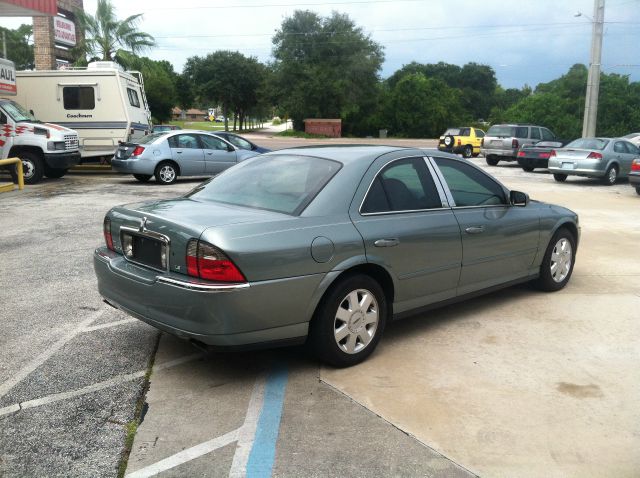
column 502, row 141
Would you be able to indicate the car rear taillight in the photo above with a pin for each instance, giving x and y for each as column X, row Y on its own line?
column 594, row 155
column 459, row 142
column 514, row 143
column 210, row 263
column 544, row 155
column 137, row 151
column 521, row 154
column 635, row 165
column 552, row 154
column 106, row 229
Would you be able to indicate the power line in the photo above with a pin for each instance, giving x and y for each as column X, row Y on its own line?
column 279, row 5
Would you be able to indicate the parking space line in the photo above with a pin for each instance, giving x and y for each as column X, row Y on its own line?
column 56, row 397
column 109, row 324
column 44, row 356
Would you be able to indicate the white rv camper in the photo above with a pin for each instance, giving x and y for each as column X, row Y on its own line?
column 103, row 103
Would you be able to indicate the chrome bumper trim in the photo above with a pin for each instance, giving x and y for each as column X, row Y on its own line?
column 201, row 286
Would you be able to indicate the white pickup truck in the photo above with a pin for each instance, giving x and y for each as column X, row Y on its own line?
column 44, row 148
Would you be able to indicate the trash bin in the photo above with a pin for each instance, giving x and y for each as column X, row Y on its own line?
column 383, row 133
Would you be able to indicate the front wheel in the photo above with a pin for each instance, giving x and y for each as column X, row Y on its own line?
column 558, row 261
column 55, row 173
column 32, row 167
column 492, row 160
column 611, row 176
column 467, row 151
column 561, row 178
column 349, row 321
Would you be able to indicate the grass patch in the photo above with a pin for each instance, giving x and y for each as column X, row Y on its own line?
column 301, row 134
column 205, row 125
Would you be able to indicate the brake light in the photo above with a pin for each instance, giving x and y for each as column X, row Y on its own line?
column 210, row 263
column 459, row 142
column 521, row 154
column 552, row 154
column 138, row 151
column 635, row 165
column 106, row 229
column 594, row 155
column 544, row 155
column 514, row 143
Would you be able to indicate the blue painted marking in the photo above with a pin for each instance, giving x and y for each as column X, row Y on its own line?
column 263, row 452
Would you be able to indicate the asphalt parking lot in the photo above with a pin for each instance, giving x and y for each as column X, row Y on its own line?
column 516, row 383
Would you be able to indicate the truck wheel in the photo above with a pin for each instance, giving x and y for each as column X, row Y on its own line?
column 492, row 160
column 32, row 167
column 54, row 173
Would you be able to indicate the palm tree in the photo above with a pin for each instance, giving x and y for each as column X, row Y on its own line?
column 109, row 39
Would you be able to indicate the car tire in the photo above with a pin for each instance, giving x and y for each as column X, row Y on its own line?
column 558, row 261
column 32, row 167
column 528, row 169
column 143, row 178
column 166, row 172
column 638, row 190
column 611, row 176
column 54, row 173
column 467, row 152
column 448, row 141
column 492, row 160
column 561, row 178
column 340, row 333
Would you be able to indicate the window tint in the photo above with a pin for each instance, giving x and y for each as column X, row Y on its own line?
column 403, row 185
column 3, row 118
column 535, row 133
column 209, row 142
column 186, row 141
column 465, row 132
column 631, row 148
column 133, row 97
column 239, row 142
column 479, row 133
column 522, row 132
column 618, row 147
column 468, row 185
column 547, row 135
column 78, row 98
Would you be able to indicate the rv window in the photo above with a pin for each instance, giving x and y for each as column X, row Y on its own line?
column 79, row 98
column 133, row 97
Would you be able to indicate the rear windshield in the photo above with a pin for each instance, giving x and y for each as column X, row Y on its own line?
column 508, row 131
column 282, row 183
column 452, row 131
column 150, row 138
column 588, row 143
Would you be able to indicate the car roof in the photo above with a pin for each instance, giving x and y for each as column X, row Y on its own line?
column 349, row 153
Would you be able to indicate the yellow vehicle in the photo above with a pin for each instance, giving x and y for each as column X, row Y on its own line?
column 464, row 140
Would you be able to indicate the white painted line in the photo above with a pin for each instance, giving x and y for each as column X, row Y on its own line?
column 247, row 432
column 56, row 397
column 44, row 356
column 185, row 456
column 110, row 324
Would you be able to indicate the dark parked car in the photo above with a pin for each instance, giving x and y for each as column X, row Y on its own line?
column 537, row 155
column 634, row 175
column 327, row 243
column 241, row 142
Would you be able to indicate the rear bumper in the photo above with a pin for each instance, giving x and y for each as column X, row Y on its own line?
column 590, row 169
column 133, row 166
column 533, row 162
column 504, row 154
column 634, row 179
column 62, row 160
column 220, row 315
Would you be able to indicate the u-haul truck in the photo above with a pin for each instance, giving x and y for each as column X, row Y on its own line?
column 44, row 148
column 104, row 103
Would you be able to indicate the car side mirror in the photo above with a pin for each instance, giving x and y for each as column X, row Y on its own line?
column 230, row 148
column 518, row 198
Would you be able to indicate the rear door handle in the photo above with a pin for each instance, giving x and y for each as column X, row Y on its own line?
column 386, row 242
column 474, row 230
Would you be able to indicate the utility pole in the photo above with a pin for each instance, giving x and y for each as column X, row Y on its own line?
column 4, row 44
column 593, row 80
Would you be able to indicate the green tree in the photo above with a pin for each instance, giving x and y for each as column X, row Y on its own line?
column 19, row 46
column 325, row 67
column 107, row 38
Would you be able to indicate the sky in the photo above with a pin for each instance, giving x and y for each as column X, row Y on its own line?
column 525, row 41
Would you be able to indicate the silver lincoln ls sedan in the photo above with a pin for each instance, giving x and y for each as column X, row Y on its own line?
column 326, row 245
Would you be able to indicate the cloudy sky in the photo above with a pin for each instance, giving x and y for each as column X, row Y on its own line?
column 526, row 42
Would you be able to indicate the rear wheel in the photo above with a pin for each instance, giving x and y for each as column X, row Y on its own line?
column 54, row 173
column 611, row 176
column 467, row 151
column 528, row 168
column 638, row 190
column 349, row 321
column 166, row 173
column 492, row 160
column 561, row 178
column 143, row 178
column 558, row 261
column 32, row 167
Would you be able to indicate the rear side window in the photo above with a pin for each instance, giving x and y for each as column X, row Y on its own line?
column 184, row 141
column 78, row 98
column 469, row 186
column 522, row 132
column 619, row 147
column 465, row 132
column 535, row 133
column 403, row 185
column 133, row 97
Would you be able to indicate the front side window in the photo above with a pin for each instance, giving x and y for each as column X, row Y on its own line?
column 17, row 112
column 283, row 183
column 239, row 142
column 470, row 186
column 133, row 97
column 403, row 185
column 78, row 97
column 547, row 135
column 184, row 141
column 209, row 142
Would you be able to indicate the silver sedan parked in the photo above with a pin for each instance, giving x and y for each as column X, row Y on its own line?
column 605, row 158
column 167, row 155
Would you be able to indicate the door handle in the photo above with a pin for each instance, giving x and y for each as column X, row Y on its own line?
column 179, row 152
column 474, row 230
column 386, row 242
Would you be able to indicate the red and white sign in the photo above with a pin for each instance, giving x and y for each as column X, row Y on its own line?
column 64, row 31
column 7, row 78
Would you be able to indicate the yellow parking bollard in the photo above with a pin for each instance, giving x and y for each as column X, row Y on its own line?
column 18, row 162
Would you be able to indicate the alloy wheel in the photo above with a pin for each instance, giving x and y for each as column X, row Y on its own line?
column 561, row 258
column 167, row 174
column 356, row 321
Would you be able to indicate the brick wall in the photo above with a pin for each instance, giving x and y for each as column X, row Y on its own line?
column 45, row 51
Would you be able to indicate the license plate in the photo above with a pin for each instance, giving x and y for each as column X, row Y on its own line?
column 145, row 250
column 567, row 165
column 496, row 142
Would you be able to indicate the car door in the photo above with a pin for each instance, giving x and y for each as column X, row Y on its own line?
column 477, row 142
column 499, row 241
column 187, row 152
column 623, row 152
column 408, row 228
column 216, row 154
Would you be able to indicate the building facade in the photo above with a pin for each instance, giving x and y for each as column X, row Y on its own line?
column 55, row 36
